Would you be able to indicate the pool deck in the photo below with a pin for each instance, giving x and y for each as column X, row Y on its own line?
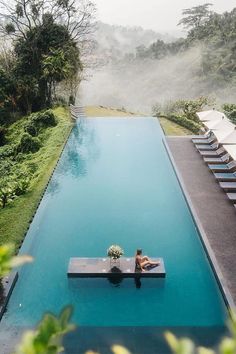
column 214, row 214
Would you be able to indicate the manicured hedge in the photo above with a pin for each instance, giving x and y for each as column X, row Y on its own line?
column 184, row 122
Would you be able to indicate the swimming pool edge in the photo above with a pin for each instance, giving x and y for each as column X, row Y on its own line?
column 202, row 234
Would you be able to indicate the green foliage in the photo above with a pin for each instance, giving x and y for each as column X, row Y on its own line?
column 38, row 121
column 28, row 144
column 28, row 174
column 9, row 28
column 8, row 261
column 53, row 57
column 172, row 129
column 195, row 16
column 181, row 346
column 44, row 119
column 183, row 112
column 6, row 254
column 7, row 195
column 7, row 151
column 21, row 186
column 186, row 346
column 12, row 186
column 160, row 49
column 185, row 122
column 190, row 107
column 167, row 108
column 7, row 92
column 215, row 34
column 230, row 111
column 45, row 52
column 31, row 128
column 47, row 338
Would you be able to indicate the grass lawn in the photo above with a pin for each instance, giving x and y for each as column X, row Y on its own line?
column 16, row 217
column 171, row 128
column 100, row 111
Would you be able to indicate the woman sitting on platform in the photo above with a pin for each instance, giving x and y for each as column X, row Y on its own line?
column 142, row 262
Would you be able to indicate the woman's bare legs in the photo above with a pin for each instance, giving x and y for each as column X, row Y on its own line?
column 145, row 258
column 146, row 261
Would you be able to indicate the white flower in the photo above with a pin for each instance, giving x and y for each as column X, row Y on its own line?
column 115, row 251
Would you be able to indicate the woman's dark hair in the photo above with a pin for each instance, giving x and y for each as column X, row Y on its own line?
column 139, row 251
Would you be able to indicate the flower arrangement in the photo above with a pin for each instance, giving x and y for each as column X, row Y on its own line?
column 115, row 252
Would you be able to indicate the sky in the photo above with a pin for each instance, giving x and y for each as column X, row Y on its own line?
column 159, row 15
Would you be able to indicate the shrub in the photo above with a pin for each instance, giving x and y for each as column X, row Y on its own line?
column 44, row 119
column 6, row 166
column 19, row 157
column 6, row 195
column 186, row 123
column 31, row 128
column 7, row 151
column 21, row 186
column 190, row 107
column 28, row 144
column 40, row 120
column 32, row 167
column 186, row 108
column 230, row 111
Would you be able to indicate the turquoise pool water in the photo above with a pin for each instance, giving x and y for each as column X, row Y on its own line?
column 115, row 184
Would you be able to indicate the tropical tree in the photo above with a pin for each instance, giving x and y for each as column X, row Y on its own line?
column 195, row 16
column 46, row 37
column 45, row 55
column 18, row 17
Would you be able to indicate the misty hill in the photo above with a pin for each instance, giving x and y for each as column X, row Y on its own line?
column 203, row 63
column 112, row 40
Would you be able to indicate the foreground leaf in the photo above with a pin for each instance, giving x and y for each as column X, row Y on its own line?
column 47, row 338
column 119, row 349
column 202, row 350
column 180, row 346
column 9, row 261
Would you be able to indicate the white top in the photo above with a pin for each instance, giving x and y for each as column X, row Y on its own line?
column 230, row 139
column 223, row 129
column 231, row 150
column 214, row 124
column 211, row 115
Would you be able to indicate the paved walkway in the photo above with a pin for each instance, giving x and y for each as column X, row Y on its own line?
column 216, row 213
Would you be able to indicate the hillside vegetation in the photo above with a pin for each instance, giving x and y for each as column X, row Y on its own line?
column 214, row 33
column 25, row 173
column 201, row 64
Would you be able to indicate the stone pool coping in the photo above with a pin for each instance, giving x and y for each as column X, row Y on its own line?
column 8, row 284
column 215, row 264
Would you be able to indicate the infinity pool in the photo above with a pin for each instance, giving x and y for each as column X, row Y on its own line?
column 115, row 184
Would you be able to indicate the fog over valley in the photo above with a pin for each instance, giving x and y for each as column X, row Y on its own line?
column 131, row 72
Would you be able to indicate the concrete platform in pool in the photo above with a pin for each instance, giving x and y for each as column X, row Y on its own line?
column 211, row 205
column 104, row 268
